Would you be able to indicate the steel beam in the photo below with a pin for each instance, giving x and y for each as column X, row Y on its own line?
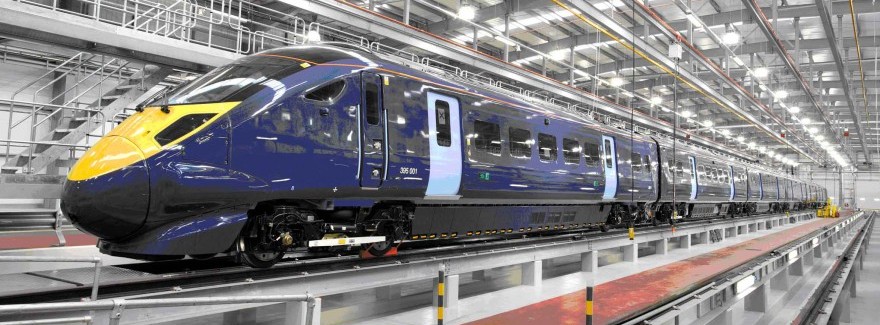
column 825, row 15
column 789, row 62
column 661, row 58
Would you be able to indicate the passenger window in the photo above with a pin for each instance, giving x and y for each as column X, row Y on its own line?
column 679, row 169
column 609, row 163
column 487, row 137
column 327, row 93
column 636, row 161
column 591, row 154
column 547, row 150
column 701, row 173
column 648, row 163
column 520, row 143
column 444, row 131
column 371, row 96
column 571, row 151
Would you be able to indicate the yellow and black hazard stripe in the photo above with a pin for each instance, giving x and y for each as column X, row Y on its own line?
column 589, row 306
column 440, row 292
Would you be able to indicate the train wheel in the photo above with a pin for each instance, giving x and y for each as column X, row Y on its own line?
column 250, row 256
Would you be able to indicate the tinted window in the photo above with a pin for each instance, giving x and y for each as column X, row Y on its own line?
column 520, row 143
column 591, row 154
column 636, row 160
column 647, row 165
column 222, row 83
column 444, row 133
column 701, row 172
column 328, row 92
column 487, row 137
column 547, row 150
column 571, row 151
column 371, row 98
column 679, row 169
column 608, row 158
column 181, row 127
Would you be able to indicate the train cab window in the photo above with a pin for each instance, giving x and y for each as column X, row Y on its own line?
column 547, row 149
column 371, row 96
column 636, row 161
column 327, row 93
column 487, row 137
column 591, row 154
column 444, row 131
column 182, row 127
column 520, row 143
column 571, row 151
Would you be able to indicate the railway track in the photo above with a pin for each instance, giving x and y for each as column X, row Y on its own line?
column 156, row 277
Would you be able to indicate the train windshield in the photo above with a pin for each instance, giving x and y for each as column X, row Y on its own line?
column 242, row 78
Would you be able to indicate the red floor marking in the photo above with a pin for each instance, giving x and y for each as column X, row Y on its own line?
column 618, row 299
column 43, row 240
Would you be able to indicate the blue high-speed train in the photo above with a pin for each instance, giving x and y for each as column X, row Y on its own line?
column 313, row 147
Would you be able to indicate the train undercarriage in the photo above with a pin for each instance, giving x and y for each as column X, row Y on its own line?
column 275, row 228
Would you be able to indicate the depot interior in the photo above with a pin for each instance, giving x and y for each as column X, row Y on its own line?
column 791, row 85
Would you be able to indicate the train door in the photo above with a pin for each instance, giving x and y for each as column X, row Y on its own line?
column 374, row 153
column 761, row 186
column 609, row 153
column 444, row 129
column 694, row 185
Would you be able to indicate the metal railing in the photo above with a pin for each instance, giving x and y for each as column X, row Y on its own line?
column 115, row 308
column 44, row 259
column 35, row 222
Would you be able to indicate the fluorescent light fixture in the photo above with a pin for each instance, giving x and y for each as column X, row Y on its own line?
column 781, row 94
column 745, row 283
column 820, row 137
column 686, row 114
column 794, row 109
column 616, row 81
column 805, row 120
column 558, row 55
column 813, row 130
column 740, row 139
column 730, row 38
column 467, row 12
column 708, row 123
column 313, row 36
column 761, row 72
column 752, row 145
column 725, row 132
column 656, row 100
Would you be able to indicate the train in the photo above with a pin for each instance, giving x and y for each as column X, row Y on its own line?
column 324, row 147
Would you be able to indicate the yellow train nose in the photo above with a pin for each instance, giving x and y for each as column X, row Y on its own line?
column 109, row 154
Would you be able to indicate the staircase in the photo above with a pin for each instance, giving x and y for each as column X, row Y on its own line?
column 74, row 125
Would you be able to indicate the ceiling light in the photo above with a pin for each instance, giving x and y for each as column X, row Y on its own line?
column 761, row 72
column 725, row 132
column 313, row 36
column 752, row 145
column 820, row 137
column 794, row 109
column 707, row 123
column 770, row 153
column 730, row 38
column 616, row 81
column 781, row 94
column 467, row 12
column 558, row 55
column 656, row 100
column 805, row 120
column 813, row 130
column 686, row 114
column 762, row 149
column 740, row 139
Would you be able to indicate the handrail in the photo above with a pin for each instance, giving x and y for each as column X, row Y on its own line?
column 36, row 222
column 118, row 306
column 96, row 279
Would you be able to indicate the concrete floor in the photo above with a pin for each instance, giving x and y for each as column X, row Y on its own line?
column 864, row 306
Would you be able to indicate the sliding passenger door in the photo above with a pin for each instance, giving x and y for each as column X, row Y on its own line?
column 609, row 152
column 373, row 142
column 444, row 129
